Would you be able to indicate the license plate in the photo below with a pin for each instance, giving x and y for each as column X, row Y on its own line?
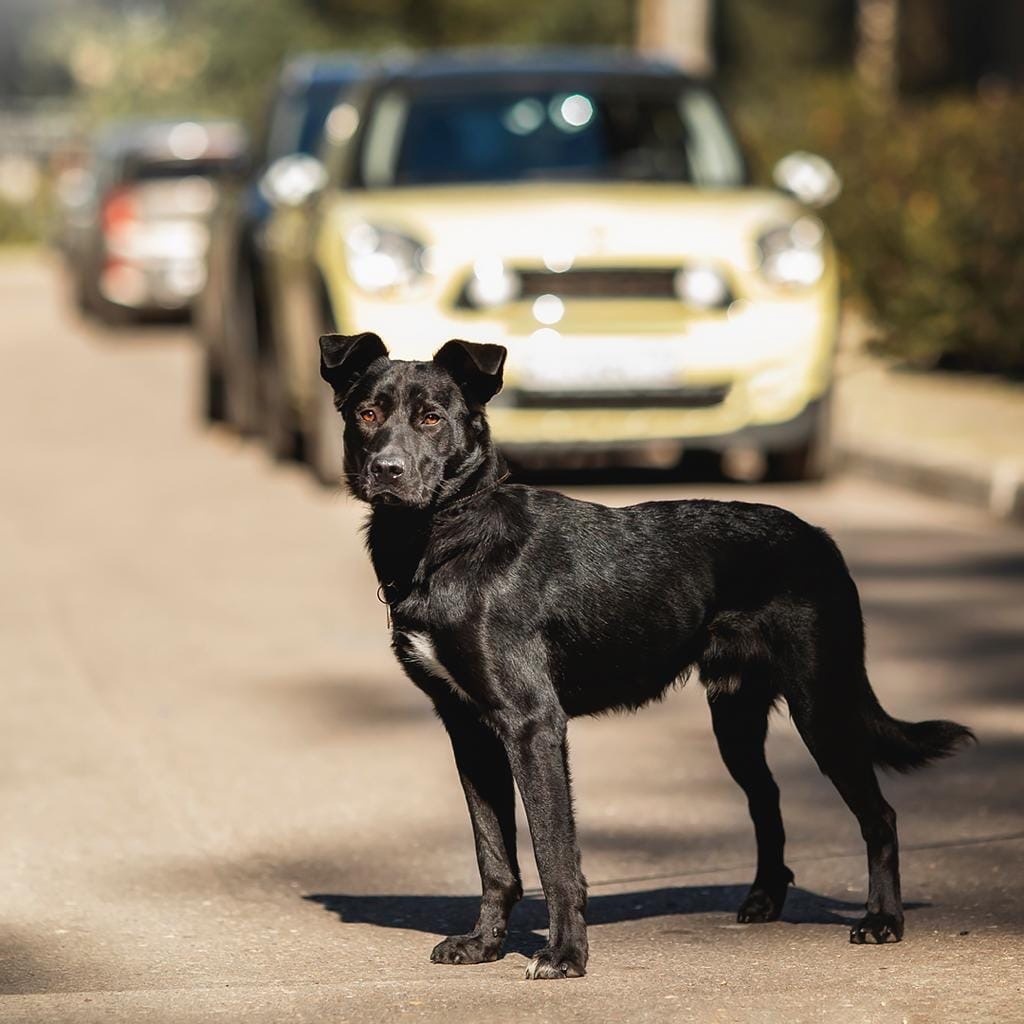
column 601, row 365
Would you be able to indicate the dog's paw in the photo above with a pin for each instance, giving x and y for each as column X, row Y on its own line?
column 567, row 962
column 465, row 949
column 766, row 899
column 761, row 905
column 877, row 928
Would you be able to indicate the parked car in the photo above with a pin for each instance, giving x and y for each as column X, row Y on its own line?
column 592, row 212
column 134, row 233
column 235, row 314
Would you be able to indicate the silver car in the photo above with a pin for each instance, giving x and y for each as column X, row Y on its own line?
column 136, row 237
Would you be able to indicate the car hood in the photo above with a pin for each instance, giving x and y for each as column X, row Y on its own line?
column 597, row 224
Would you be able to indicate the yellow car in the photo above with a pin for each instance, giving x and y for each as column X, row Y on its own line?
column 592, row 213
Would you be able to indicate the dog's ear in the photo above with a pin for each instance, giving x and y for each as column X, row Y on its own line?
column 344, row 358
column 476, row 368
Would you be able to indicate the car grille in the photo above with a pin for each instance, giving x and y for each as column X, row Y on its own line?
column 675, row 398
column 600, row 283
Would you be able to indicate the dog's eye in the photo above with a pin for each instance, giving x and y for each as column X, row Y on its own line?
column 367, row 415
column 431, row 419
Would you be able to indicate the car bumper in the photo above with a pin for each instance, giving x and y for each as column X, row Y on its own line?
column 659, row 439
column 152, row 285
column 617, row 374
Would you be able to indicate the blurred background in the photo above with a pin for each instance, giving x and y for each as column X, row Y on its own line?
column 176, row 116
column 915, row 102
column 767, row 250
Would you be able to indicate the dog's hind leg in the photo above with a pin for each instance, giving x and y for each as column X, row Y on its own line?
column 858, row 786
column 490, row 794
column 740, row 721
column 843, row 754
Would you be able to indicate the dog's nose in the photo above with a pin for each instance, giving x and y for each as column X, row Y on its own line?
column 387, row 468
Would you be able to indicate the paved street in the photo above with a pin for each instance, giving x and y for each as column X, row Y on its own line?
column 220, row 799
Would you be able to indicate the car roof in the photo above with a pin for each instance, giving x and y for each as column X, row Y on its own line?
column 328, row 67
column 513, row 62
column 152, row 138
column 455, row 64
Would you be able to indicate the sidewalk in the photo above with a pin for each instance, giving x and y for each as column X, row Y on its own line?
column 956, row 436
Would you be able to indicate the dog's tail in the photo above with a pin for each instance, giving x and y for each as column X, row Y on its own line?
column 892, row 743
column 905, row 746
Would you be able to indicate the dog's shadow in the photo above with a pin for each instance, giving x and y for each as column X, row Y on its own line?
column 454, row 915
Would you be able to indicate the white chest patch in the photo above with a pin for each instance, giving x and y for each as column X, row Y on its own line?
column 423, row 651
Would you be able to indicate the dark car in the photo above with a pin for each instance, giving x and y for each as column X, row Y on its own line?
column 135, row 239
column 235, row 313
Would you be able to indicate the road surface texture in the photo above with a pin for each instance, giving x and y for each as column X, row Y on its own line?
column 221, row 800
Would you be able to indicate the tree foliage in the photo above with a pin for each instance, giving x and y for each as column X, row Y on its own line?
column 219, row 56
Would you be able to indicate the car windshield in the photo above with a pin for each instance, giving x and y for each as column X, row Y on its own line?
column 299, row 114
column 608, row 133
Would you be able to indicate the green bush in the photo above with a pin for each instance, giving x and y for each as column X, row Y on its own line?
column 930, row 225
column 24, row 223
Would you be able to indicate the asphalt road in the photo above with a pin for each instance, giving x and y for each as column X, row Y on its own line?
column 220, row 799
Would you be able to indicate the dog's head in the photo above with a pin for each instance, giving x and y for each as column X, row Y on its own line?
column 415, row 432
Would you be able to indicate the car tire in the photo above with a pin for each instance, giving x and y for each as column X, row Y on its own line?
column 79, row 292
column 102, row 311
column 811, row 459
column 325, row 450
column 277, row 427
column 211, row 389
column 240, row 373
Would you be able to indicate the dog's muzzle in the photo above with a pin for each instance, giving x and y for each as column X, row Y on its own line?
column 386, row 469
column 387, row 480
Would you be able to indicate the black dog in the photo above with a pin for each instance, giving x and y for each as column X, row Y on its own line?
column 515, row 609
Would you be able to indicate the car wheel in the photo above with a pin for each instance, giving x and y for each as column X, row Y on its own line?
column 325, row 450
column 211, row 389
column 79, row 292
column 276, row 422
column 95, row 307
column 809, row 460
column 242, row 391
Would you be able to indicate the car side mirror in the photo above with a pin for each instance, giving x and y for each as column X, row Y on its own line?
column 293, row 179
column 809, row 178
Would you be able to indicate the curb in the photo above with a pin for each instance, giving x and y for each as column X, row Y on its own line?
column 997, row 487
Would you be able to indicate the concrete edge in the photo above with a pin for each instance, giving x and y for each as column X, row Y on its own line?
column 997, row 487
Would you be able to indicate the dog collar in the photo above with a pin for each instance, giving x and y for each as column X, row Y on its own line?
column 476, row 494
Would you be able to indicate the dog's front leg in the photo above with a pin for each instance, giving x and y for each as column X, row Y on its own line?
column 490, row 794
column 538, row 754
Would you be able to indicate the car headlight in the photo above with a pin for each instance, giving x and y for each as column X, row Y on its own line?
column 381, row 260
column 492, row 284
column 794, row 254
column 702, row 286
